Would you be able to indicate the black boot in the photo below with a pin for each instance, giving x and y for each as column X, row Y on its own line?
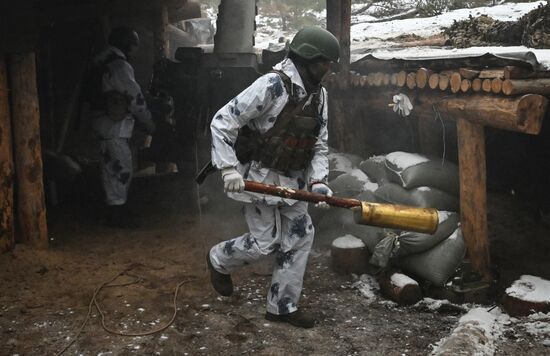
column 222, row 283
column 297, row 318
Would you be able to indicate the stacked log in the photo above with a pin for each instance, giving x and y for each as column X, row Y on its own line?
column 501, row 81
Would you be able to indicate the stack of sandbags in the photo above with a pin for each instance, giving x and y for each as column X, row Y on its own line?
column 432, row 258
column 416, row 180
column 346, row 181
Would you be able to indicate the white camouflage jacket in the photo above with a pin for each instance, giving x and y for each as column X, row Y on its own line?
column 258, row 107
column 120, row 77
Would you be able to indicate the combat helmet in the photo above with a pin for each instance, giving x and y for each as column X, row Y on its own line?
column 315, row 42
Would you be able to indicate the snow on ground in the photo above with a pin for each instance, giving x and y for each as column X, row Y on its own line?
column 368, row 36
column 429, row 26
column 368, row 287
column 476, row 334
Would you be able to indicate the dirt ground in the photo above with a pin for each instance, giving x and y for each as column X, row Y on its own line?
column 45, row 294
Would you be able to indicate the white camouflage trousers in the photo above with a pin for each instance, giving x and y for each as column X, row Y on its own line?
column 287, row 232
column 116, row 169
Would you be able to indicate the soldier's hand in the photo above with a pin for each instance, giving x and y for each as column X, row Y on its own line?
column 321, row 188
column 233, row 181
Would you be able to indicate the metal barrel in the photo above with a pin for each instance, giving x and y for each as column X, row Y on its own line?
column 397, row 217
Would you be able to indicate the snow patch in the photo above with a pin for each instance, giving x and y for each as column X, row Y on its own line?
column 443, row 215
column 400, row 280
column 404, row 160
column 530, row 289
column 339, row 162
column 367, row 286
column 476, row 334
column 538, row 329
column 363, row 178
column 348, row 241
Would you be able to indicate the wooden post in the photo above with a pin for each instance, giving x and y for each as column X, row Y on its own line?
column 7, row 239
column 473, row 194
column 334, row 17
column 160, row 33
column 345, row 30
column 31, row 209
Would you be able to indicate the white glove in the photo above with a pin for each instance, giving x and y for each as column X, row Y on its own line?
column 403, row 105
column 321, row 188
column 232, row 181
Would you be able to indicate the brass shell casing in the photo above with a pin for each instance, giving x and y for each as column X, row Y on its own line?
column 402, row 217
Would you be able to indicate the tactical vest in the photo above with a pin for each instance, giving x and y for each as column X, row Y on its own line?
column 113, row 103
column 289, row 144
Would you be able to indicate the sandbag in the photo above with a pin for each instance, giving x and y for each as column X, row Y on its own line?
column 415, row 242
column 354, row 159
column 412, row 170
column 438, row 264
column 383, row 251
column 429, row 197
column 350, row 184
column 393, row 194
column 424, row 197
column 375, row 169
column 338, row 164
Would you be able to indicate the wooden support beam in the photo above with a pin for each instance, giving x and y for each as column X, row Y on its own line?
column 345, row 34
column 7, row 237
column 521, row 114
column 524, row 86
column 473, row 194
column 160, row 33
column 31, row 209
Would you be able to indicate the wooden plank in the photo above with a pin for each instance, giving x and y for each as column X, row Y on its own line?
column 455, row 82
column 433, row 81
column 476, row 85
column 491, row 74
column 422, row 76
column 411, row 80
column 468, row 73
column 512, row 72
column 524, row 86
column 31, row 210
column 401, row 78
column 473, row 194
column 486, row 85
column 7, row 237
column 496, row 86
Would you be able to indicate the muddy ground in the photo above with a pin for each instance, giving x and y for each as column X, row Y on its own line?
column 45, row 294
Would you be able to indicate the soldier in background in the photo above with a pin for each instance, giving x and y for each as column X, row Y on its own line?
column 275, row 132
column 116, row 101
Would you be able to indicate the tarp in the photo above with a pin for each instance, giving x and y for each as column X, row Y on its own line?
column 440, row 58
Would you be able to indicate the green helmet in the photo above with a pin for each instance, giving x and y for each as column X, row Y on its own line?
column 315, row 42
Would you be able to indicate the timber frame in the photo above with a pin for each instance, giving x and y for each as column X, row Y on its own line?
column 510, row 98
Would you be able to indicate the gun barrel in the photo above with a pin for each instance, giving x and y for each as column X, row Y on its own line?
column 423, row 220
column 366, row 213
